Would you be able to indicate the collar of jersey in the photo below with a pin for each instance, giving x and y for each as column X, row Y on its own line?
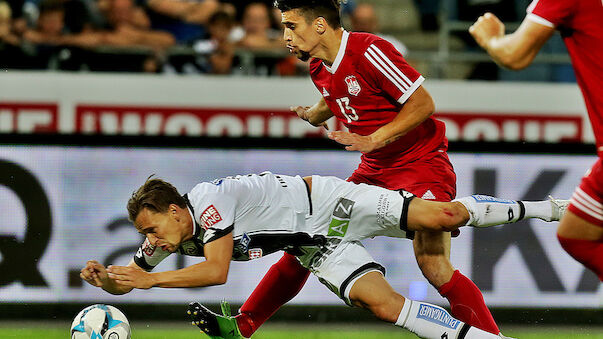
column 340, row 53
column 196, row 227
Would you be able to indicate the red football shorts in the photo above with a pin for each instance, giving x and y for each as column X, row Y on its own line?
column 432, row 177
column 587, row 200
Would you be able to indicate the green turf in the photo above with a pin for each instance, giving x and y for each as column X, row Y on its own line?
column 303, row 332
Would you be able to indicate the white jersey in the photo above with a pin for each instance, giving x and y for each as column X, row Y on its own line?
column 269, row 212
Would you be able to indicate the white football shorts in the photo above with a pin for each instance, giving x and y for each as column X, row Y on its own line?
column 340, row 264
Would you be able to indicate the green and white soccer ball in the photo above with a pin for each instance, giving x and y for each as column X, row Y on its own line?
column 100, row 322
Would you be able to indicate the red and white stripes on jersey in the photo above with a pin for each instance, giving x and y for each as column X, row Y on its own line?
column 381, row 62
column 587, row 204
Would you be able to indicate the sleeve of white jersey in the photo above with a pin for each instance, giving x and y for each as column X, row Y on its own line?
column 390, row 72
column 148, row 256
column 551, row 13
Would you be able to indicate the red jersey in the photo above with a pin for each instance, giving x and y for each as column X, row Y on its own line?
column 366, row 87
column 581, row 25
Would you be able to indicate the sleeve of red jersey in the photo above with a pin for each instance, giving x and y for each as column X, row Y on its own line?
column 551, row 13
column 389, row 71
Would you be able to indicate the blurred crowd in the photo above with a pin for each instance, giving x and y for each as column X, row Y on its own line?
column 194, row 36
column 154, row 36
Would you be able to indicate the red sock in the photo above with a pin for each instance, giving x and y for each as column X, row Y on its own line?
column 282, row 282
column 467, row 303
column 587, row 252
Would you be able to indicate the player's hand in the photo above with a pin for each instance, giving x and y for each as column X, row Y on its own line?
column 486, row 27
column 94, row 273
column 302, row 113
column 131, row 276
column 355, row 142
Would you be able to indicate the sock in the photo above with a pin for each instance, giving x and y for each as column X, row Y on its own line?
column 467, row 303
column 433, row 322
column 486, row 211
column 539, row 209
column 588, row 253
column 282, row 282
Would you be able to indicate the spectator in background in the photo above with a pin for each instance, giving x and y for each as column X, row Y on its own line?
column 468, row 10
column 237, row 8
column 18, row 16
column 184, row 19
column 222, row 53
column 6, row 31
column 50, row 25
column 364, row 19
column 129, row 25
column 257, row 30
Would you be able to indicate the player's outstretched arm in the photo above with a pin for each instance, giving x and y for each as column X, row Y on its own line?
column 516, row 50
column 213, row 271
column 96, row 275
column 479, row 211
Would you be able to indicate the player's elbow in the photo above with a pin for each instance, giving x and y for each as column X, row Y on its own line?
column 218, row 276
column 514, row 60
column 514, row 63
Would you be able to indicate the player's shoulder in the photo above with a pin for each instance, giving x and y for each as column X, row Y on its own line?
column 360, row 41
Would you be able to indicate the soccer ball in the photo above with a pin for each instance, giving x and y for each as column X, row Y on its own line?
column 100, row 322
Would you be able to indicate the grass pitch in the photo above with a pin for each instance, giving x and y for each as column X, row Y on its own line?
column 60, row 330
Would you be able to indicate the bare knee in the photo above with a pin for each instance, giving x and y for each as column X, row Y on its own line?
column 450, row 216
column 437, row 216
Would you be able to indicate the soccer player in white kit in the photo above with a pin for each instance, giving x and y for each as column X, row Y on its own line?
column 320, row 220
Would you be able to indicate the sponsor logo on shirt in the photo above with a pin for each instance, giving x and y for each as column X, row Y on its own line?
column 428, row 195
column 325, row 93
column 255, row 253
column 438, row 316
column 353, row 85
column 147, row 248
column 341, row 218
column 210, row 217
column 244, row 243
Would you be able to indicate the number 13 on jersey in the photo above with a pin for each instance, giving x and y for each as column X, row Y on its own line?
column 348, row 111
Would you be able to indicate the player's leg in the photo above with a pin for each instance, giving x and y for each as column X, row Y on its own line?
column 373, row 292
column 282, row 282
column 583, row 241
column 477, row 211
column 432, row 251
column 581, row 229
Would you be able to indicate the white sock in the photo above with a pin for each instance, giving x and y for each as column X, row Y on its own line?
column 539, row 209
column 486, row 211
column 433, row 322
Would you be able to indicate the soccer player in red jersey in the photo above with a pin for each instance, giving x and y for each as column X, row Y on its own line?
column 366, row 83
column 580, row 23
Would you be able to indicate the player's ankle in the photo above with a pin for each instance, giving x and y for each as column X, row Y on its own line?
column 245, row 324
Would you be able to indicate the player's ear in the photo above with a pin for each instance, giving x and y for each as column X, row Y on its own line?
column 320, row 25
column 173, row 210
